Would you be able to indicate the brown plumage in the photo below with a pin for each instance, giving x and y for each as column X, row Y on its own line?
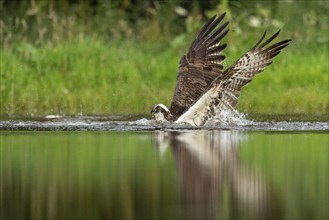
column 200, row 66
column 245, row 68
column 203, row 90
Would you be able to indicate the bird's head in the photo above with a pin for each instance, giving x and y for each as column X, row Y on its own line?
column 160, row 111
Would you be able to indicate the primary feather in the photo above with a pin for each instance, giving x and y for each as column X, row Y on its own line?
column 203, row 90
column 224, row 92
column 200, row 66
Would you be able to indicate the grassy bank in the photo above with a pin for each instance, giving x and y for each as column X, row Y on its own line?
column 90, row 76
column 72, row 69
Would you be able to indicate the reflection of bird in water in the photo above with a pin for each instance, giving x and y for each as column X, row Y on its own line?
column 209, row 173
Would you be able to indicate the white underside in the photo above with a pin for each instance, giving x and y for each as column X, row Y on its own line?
column 194, row 116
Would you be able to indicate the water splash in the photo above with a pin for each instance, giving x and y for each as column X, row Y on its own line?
column 230, row 117
column 53, row 116
column 228, row 121
column 142, row 121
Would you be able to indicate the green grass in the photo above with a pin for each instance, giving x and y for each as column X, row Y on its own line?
column 87, row 75
column 57, row 63
column 296, row 82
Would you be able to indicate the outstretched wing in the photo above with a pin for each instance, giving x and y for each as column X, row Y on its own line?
column 244, row 69
column 225, row 90
column 200, row 66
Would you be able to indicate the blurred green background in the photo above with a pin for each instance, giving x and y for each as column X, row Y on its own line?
column 95, row 57
column 125, row 175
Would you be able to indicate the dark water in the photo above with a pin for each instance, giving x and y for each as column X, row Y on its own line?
column 163, row 173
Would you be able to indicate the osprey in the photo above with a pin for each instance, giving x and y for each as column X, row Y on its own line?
column 203, row 89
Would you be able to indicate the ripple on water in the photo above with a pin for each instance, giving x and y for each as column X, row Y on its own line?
column 239, row 122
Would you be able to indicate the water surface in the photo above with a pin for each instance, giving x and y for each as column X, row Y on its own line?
column 123, row 123
column 163, row 173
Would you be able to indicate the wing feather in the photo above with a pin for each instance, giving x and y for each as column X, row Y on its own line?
column 216, row 50
column 224, row 92
column 200, row 66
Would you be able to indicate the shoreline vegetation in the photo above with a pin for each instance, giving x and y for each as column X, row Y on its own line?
column 67, row 58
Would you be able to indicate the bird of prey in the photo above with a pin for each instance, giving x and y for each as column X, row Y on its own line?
column 203, row 88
